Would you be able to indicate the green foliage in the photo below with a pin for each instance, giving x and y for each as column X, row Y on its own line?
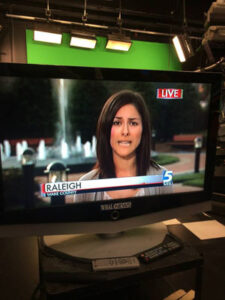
column 192, row 179
column 86, row 101
column 177, row 116
column 195, row 182
column 27, row 109
column 163, row 159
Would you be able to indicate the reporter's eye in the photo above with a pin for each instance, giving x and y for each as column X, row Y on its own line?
column 116, row 123
column 133, row 123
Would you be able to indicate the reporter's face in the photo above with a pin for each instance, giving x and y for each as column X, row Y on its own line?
column 126, row 132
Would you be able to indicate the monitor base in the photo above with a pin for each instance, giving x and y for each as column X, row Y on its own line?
column 92, row 246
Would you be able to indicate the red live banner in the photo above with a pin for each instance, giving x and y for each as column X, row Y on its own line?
column 169, row 94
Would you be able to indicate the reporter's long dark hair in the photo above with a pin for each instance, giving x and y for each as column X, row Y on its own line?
column 105, row 163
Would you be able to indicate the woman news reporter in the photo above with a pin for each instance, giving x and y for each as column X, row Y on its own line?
column 123, row 147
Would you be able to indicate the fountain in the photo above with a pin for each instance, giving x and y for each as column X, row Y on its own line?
column 24, row 145
column 93, row 145
column 63, row 138
column 19, row 151
column 87, row 149
column 62, row 107
column 64, row 147
column 7, row 148
column 41, row 150
column 2, row 152
column 78, row 145
column 64, row 141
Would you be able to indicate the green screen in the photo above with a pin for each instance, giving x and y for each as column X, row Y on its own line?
column 142, row 55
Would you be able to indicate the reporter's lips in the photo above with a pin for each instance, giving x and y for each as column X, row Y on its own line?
column 124, row 143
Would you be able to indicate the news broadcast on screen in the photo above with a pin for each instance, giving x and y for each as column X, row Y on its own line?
column 103, row 150
column 90, row 140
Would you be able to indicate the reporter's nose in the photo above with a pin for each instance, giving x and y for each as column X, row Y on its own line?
column 125, row 130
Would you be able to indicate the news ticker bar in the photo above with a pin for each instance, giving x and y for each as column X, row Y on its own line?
column 99, row 185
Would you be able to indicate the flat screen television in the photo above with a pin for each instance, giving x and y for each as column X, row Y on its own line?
column 58, row 176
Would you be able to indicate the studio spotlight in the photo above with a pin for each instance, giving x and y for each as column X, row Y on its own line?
column 83, row 40
column 183, row 47
column 47, row 37
column 118, row 42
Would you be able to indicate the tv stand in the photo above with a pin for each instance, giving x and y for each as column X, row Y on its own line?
column 92, row 246
column 66, row 278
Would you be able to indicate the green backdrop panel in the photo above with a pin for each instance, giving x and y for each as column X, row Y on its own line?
column 142, row 55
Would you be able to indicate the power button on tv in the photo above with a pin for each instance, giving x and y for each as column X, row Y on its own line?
column 115, row 215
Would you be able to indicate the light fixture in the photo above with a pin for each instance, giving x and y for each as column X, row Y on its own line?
column 47, row 37
column 118, row 42
column 181, row 41
column 183, row 47
column 83, row 40
column 43, row 34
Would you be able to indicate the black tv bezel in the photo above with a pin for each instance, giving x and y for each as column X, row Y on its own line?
column 91, row 211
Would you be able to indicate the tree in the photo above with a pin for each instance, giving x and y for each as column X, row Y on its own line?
column 28, row 109
column 173, row 116
column 86, row 101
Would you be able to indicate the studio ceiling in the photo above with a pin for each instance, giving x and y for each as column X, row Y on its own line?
column 153, row 16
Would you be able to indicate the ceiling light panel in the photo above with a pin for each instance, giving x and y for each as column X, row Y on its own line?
column 47, row 37
column 83, row 42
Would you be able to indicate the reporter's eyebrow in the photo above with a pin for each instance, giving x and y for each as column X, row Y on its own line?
column 135, row 118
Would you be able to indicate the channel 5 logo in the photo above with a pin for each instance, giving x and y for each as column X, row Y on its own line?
column 167, row 177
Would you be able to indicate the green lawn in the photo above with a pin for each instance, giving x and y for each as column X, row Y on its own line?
column 193, row 179
column 163, row 159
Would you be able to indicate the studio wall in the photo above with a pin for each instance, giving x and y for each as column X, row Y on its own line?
column 142, row 55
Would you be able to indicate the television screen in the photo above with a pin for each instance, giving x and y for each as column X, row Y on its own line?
column 79, row 144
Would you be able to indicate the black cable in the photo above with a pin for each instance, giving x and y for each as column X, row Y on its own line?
column 208, row 68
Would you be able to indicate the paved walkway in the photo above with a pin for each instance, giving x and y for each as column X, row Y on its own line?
column 186, row 163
